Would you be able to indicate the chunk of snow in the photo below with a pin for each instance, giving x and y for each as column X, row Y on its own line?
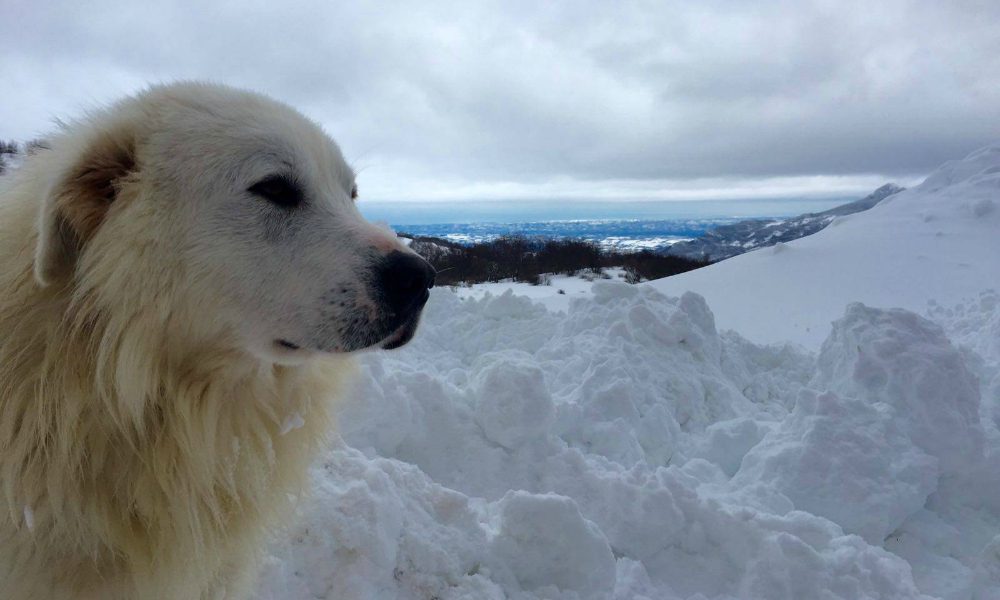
column 291, row 422
column 846, row 460
column 513, row 404
column 544, row 542
column 904, row 362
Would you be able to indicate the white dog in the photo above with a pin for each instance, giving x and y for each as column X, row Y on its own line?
column 181, row 276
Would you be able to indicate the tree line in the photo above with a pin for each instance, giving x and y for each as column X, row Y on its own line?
column 529, row 260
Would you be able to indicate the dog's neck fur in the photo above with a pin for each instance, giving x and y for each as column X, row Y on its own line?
column 132, row 434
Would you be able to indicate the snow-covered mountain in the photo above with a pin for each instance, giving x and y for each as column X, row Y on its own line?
column 626, row 448
column 939, row 241
column 726, row 241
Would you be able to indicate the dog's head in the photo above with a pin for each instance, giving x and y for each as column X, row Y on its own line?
column 235, row 210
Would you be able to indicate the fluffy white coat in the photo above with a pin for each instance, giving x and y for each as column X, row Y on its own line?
column 142, row 395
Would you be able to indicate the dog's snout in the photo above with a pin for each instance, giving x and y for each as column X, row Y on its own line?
column 404, row 279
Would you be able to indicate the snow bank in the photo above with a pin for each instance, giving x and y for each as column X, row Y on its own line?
column 629, row 450
column 626, row 448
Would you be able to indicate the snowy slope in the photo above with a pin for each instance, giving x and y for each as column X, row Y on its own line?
column 624, row 448
column 727, row 241
column 938, row 241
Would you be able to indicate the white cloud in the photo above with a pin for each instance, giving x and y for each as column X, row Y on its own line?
column 448, row 99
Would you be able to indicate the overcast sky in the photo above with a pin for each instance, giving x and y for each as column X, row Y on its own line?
column 533, row 99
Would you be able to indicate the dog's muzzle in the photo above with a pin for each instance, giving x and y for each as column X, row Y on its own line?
column 403, row 281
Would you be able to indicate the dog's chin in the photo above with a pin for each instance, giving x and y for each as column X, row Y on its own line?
column 285, row 351
column 402, row 335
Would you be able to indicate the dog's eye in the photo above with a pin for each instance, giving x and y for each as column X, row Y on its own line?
column 279, row 190
column 354, row 192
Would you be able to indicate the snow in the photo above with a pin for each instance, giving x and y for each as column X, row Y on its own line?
column 555, row 294
column 619, row 445
column 937, row 241
column 546, row 544
column 291, row 422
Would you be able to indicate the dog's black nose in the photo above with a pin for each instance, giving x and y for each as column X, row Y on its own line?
column 404, row 279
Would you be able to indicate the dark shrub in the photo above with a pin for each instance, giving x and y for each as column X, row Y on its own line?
column 518, row 258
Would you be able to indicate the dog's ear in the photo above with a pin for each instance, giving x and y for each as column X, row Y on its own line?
column 79, row 199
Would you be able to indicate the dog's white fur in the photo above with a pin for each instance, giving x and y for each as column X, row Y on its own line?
column 142, row 293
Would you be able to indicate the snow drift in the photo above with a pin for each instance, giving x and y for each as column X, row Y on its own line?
column 626, row 448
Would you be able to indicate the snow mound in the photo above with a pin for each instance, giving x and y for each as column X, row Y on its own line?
column 627, row 449
column 902, row 361
column 549, row 547
column 845, row 460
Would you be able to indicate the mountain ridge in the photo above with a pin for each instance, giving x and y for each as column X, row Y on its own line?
column 727, row 241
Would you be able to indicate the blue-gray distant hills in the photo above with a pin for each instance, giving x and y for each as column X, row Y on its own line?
column 727, row 241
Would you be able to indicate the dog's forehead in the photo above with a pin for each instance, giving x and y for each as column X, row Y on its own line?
column 251, row 127
column 304, row 146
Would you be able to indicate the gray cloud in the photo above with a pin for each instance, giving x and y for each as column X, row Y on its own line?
column 430, row 98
